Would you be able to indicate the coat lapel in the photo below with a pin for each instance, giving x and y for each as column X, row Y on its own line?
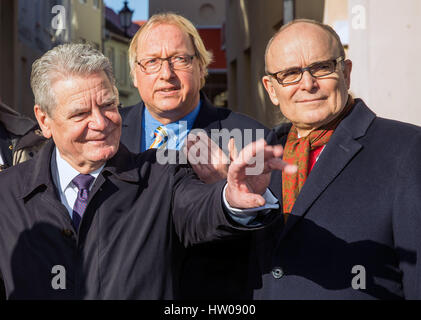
column 208, row 117
column 5, row 143
column 342, row 147
column 132, row 128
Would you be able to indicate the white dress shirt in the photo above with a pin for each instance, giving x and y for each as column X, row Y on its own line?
column 63, row 174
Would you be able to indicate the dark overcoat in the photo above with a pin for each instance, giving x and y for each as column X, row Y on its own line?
column 355, row 228
column 129, row 244
column 214, row 270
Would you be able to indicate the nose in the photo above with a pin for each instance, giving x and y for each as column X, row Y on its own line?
column 166, row 71
column 308, row 82
column 99, row 121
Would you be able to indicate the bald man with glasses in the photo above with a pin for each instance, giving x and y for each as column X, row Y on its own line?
column 352, row 212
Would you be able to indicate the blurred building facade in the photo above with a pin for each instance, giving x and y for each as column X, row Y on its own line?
column 8, row 43
column 249, row 26
column 380, row 37
column 116, row 47
column 32, row 27
column 87, row 22
column 208, row 16
column 200, row 12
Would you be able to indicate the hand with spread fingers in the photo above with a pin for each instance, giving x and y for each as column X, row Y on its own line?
column 249, row 174
column 208, row 161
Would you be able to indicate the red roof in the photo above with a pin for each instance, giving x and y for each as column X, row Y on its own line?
column 140, row 23
column 212, row 37
column 112, row 21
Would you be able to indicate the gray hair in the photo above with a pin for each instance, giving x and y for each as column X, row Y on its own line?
column 61, row 62
column 325, row 27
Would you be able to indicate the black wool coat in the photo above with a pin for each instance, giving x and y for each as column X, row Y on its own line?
column 129, row 244
column 355, row 229
column 216, row 270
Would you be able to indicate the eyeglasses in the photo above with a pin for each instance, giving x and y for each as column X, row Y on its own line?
column 317, row 70
column 153, row 65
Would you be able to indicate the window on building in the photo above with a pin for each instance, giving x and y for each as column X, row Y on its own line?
column 83, row 1
column 96, row 4
column 111, row 56
column 289, row 11
column 123, row 68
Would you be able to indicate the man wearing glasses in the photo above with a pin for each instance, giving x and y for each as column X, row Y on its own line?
column 168, row 62
column 352, row 212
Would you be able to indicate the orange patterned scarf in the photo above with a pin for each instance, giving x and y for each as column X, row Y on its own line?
column 297, row 151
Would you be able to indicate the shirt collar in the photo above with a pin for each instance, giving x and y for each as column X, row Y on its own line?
column 64, row 173
column 177, row 130
column 152, row 123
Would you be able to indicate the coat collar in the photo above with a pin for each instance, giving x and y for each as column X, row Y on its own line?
column 342, row 147
column 15, row 123
column 5, row 144
column 132, row 125
column 208, row 117
column 124, row 166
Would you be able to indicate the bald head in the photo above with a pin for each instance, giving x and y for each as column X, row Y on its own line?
column 317, row 97
column 305, row 30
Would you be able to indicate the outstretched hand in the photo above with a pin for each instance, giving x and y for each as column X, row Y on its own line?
column 208, row 161
column 249, row 174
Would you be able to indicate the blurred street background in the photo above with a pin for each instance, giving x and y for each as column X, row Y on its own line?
column 381, row 37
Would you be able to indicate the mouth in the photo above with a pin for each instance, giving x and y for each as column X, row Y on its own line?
column 311, row 100
column 97, row 140
column 168, row 90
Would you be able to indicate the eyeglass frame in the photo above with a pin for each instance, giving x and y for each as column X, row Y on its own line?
column 274, row 74
column 168, row 60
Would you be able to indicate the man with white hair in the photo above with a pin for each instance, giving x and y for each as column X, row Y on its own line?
column 87, row 219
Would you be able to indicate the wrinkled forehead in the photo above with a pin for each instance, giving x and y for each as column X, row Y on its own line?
column 300, row 45
column 162, row 35
column 84, row 90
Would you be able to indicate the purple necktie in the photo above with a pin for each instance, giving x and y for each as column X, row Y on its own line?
column 82, row 182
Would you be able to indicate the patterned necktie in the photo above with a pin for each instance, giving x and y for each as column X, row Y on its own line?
column 161, row 138
column 82, row 182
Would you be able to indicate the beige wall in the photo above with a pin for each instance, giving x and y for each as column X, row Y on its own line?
column 249, row 26
column 200, row 12
column 87, row 22
column 385, row 54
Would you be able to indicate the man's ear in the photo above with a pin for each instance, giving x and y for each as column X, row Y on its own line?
column 44, row 121
column 133, row 73
column 202, row 71
column 268, row 84
column 117, row 94
column 347, row 72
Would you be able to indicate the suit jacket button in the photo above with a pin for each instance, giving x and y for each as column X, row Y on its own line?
column 67, row 233
column 277, row 272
